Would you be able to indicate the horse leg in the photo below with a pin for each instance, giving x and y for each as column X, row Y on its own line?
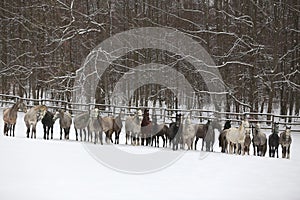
column 164, row 141
column 283, row 152
column 254, row 149
column 276, row 151
column 100, row 137
column 76, row 134
column 51, row 129
column 126, row 137
column 60, row 134
column 242, row 149
column 110, row 136
column 28, row 131
column 33, row 132
column 67, row 132
column 96, row 137
column 288, row 152
column 13, row 127
column 202, row 144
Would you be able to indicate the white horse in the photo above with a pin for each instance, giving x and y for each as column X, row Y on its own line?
column 236, row 136
column 133, row 127
column 188, row 133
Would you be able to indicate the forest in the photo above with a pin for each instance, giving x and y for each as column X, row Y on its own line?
column 254, row 44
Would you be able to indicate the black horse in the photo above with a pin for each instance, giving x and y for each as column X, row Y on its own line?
column 158, row 130
column 48, row 123
column 175, row 132
column 274, row 141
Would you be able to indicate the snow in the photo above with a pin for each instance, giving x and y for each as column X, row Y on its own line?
column 54, row 169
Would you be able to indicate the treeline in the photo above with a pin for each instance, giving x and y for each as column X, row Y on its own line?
column 254, row 43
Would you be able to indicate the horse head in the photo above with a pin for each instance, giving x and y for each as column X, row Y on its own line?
column 178, row 119
column 288, row 130
column 276, row 128
column 245, row 124
column 94, row 113
column 22, row 107
column 41, row 112
column 227, row 125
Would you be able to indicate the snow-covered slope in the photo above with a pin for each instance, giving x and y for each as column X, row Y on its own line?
column 54, row 169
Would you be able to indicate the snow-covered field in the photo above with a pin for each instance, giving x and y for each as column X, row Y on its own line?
column 54, row 169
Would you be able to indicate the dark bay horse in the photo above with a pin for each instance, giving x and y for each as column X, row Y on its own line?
column 274, row 141
column 201, row 130
column 117, row 126
column 10, row 117
column 285, row 140
column 146, row 129
column 222, row 137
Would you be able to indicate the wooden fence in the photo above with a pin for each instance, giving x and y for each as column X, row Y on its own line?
column 165, row 115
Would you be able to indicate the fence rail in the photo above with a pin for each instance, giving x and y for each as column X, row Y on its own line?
column 165, row 114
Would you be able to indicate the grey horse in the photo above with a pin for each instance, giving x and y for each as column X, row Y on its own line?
column 259, row 141
column 81, row 122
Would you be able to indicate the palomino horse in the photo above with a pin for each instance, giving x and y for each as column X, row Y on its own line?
column 236, row 136
column 286, row 140
column 222, row 137
column 48, row 122
column 65, row 121
column 175, row 130
column 259, row 141
column 95, row 126
column 81, row 123
column 133, row 127
column 188, row 133
column 10, row 117
column 32, row 116
column 274, row 141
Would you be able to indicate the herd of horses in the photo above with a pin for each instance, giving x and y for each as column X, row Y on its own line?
column 140, row 130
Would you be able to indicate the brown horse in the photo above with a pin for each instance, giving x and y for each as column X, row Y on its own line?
column 10, row 117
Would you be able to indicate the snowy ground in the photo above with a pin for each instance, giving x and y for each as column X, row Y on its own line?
column 54, row 169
